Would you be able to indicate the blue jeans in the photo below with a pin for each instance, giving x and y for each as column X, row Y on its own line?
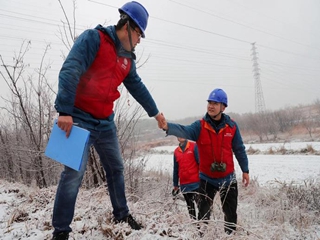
column 107, row 146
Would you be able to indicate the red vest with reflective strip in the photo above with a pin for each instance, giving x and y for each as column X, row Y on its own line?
column 217, row 147
column 188, row 166
column 98, row 87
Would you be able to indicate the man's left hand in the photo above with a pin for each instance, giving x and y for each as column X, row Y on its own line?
column 245, row 179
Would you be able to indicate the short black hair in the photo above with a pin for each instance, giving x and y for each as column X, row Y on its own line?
column 124, row 18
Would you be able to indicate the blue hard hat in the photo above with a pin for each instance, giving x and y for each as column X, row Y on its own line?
column 137, row 13
column 218, row 95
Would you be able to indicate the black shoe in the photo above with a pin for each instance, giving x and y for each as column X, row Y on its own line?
column 131, row 221
column 61, row 236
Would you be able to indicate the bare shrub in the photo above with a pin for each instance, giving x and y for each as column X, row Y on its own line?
column 279, row 211
column 305, row 196
column 270, row 151
column 282, row 150
column 29, row 112
column 310, row 148
column 252, row 151
column 19, row 215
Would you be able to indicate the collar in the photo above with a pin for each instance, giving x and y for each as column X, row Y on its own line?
column 184, row 146
column 225, row 119
column 111, row 31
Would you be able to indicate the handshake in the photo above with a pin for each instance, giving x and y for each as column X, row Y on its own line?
column 162, row 122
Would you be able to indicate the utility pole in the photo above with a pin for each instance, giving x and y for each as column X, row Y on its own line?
column 259, row 99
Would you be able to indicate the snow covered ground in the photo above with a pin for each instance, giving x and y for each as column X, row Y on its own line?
column 266, row 169
column 25, row 212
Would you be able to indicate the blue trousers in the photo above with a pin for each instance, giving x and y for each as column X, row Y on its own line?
column 107, row 146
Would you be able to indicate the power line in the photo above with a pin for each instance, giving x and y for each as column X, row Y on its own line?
column 52, row 23
column 221, row 35
column 202, row 30
column 104, row 4
column 182, row 25
column 194, row 49
column 288, row 66
column 262, row 14
column 241, row 24
column 288, row 52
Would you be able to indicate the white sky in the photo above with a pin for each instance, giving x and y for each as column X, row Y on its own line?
column 193, row 47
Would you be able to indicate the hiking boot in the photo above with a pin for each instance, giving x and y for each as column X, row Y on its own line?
column 61, row 236
column 131, row 221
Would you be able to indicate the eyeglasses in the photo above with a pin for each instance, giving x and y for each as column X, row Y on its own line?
column 139, row 34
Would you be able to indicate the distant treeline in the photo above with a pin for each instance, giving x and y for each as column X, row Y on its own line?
column 260, row 127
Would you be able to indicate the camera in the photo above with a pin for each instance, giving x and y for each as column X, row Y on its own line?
column 218, row 167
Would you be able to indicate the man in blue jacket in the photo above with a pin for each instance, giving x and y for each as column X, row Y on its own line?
column 218, row 138
column 99, row 61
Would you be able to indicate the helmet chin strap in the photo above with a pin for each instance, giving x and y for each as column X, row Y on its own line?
column 130, row 38
column 218, row 113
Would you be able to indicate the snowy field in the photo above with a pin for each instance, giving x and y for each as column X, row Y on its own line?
column 266, row 169
column 25, row 212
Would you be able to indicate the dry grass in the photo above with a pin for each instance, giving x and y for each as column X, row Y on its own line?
column 283, row 151
column 283, row 211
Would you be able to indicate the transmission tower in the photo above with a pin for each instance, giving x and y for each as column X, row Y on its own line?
column 259, row 100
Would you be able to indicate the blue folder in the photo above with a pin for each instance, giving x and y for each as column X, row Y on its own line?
column 68, row 151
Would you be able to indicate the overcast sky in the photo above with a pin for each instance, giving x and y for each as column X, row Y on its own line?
column 192, row 46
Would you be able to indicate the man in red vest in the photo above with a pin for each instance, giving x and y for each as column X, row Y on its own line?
column 186, row 172
column 218, row 138
column 99, row 61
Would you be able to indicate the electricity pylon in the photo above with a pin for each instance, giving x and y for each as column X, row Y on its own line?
column 259, row 99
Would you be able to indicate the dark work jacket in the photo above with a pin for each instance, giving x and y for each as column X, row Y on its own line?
column 102, row 70
column 193, row 132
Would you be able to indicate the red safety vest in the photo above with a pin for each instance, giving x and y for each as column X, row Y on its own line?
column 188, row 166
column 217, row 147
column 98, row 86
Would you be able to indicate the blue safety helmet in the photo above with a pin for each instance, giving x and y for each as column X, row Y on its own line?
column 137, row 13
column 218, row 95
